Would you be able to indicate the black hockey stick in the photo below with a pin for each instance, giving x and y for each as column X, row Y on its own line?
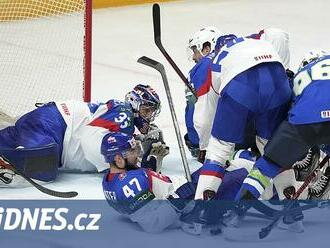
column 266, row 230
column 158, row 41
column 160, row 68
column 47, row 191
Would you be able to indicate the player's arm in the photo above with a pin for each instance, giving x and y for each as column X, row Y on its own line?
column 114, row 116
column 206, row 104
column 154, row 148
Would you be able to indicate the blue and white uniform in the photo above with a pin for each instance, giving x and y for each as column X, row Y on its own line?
column 199, row 131
column 251, row 85
column 143, row 195
column 77, row 128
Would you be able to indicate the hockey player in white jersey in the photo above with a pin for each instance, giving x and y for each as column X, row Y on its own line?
column 201, row 49
column 68, row 135
column 204, row 48
column 245, row 83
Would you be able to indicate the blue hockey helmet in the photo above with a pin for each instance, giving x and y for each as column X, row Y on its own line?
column 146, row 105
column 117, row 143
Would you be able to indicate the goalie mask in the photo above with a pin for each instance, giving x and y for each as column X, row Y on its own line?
column 146, row 106
column 116, row 143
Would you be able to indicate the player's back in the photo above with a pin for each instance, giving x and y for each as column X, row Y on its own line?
column 311, row 88
column 237, row 56
column 87, row 124
column 127, row 192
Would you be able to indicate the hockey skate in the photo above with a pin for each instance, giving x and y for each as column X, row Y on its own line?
column 305, row 166
column 320, row 189
column 291, row 225
column 205, row 217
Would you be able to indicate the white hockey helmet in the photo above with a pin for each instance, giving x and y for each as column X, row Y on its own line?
column 204, row 35
column 311, row 56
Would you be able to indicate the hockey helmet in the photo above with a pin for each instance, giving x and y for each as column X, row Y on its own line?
column 311, row 56
column 117, row 143
column 146, row 105
column 205, row 36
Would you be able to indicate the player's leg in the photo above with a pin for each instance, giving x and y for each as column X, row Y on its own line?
column 38, row 143
column 40, row 127
column 229, row 127
column 37, row 163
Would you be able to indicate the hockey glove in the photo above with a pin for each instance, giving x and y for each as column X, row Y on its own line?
column 193, row 148
column 158, row 151
column 190, row 97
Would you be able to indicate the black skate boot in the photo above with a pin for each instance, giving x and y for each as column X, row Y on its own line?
column 305, row 166
column 319, row 190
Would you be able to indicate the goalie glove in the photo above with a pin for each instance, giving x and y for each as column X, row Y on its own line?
column 153, row 134
column 158, row 151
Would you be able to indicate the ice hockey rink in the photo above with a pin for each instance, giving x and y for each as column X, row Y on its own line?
column 122, row 34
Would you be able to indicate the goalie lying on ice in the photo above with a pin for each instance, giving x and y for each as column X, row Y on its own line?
column 68, row 135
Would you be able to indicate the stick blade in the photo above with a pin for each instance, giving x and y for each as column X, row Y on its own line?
column 150, row 62
column 156, row 22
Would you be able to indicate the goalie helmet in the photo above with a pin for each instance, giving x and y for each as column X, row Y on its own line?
column 205, row 36
column 311, row 56
column 146, row 106
column 117, row 143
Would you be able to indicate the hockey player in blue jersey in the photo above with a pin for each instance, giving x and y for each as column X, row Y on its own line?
column 307, row 125
column 68, row 135
column 152, row 200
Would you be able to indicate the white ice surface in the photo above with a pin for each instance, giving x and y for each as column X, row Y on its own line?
column 121, row 35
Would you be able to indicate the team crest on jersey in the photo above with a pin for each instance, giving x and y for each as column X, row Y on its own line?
column 111, row 140
column 122, row 176
column 325, row 114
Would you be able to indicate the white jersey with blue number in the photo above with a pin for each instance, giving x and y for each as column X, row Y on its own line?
column 237, row 56
column 87, row 124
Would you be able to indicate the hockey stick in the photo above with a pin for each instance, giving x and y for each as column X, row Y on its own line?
column 160, row 68
column 266, row 230
column 47, row 191
column 158, row 42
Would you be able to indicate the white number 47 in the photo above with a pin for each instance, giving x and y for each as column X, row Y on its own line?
column 129, row 191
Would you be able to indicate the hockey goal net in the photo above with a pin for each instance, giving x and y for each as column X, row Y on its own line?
column 45, row 53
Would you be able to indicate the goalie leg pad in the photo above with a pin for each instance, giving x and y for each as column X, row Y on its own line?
column 38, row 163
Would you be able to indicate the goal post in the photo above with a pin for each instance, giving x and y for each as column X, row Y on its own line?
column 45, row 53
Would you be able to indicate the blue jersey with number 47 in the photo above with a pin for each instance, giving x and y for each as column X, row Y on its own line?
column 129, row 191
column 312, row 88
